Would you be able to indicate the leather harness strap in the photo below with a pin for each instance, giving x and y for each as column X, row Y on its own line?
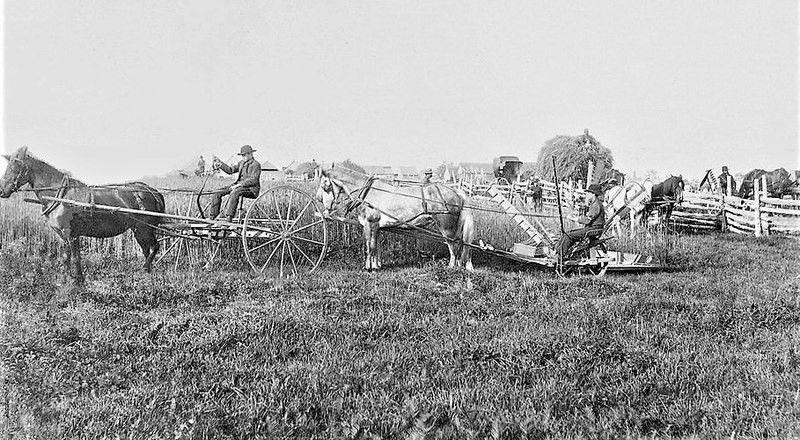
column 48, row 208
column 362, row 195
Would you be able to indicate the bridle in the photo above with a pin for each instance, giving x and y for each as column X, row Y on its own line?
column 337, row 188
column 23, row 177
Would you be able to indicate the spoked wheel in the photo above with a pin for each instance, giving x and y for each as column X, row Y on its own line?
column 284, row 233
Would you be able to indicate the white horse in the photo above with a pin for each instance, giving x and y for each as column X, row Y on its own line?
column 627, row 200
column 382, row 205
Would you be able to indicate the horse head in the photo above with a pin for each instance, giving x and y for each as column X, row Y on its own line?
column 678, row 188
column 331, row 184
column 18, row 173
column 782, row 182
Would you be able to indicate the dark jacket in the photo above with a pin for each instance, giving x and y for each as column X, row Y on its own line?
column 249, row 173
column 723, row 183
column 595, row 217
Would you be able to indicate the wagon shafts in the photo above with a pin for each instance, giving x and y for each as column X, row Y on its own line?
column 283, row 229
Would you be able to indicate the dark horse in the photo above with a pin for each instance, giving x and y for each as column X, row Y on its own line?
column 71, row 222
column 663, row 197
column 778, row 183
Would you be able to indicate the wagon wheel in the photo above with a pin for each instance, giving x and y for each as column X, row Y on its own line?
column 284, row 232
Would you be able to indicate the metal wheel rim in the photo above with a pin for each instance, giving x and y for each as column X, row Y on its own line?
column 289, row 240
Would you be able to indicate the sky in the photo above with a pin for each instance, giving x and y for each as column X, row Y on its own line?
column 114, row 90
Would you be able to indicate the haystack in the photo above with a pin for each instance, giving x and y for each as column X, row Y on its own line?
column 572, row 154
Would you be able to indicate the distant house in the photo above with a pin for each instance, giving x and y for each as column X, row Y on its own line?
column 270, row 171
column 405, row 173
column 301, row 171
column 380, row 171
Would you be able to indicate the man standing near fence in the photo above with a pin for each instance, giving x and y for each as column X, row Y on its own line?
column 247, row 184
column 723, row 182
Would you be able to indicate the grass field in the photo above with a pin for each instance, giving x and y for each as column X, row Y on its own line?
column 709, row 349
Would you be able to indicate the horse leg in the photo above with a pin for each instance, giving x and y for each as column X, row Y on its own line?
column 75, row 249
column 452, row 248
column 367, row 244
column 67, row 246
column 148, row 241
column 376, row 248
column 465, row 257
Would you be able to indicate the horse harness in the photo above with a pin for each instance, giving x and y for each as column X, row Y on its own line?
column 360, row 199
column 23, row 177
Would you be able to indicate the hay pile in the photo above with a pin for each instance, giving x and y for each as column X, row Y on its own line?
column 572, row 154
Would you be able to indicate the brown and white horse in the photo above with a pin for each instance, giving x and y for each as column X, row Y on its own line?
column 72, row 222
column 382, row 205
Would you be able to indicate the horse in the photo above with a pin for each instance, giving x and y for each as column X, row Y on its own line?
column 71, row 222
column 630, row 197
column 533, row 195
column 663, row 197
column 616, row 175
column 382, row 205
column 779, row 183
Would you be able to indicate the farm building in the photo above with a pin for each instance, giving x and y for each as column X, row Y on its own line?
column 405, row 173
column 270, row 171
column 381, row 171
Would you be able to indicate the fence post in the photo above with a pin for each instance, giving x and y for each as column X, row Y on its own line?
column 724, row 224
column 764, row 187
column 730, row 185
column 757, row 199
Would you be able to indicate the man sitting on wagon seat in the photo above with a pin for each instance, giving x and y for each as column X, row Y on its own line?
column 594, row 221
column 247, row 183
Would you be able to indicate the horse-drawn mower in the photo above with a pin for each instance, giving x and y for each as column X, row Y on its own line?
column 284, row 231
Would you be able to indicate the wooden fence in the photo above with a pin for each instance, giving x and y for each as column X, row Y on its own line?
column 699, row 211
column 758, row 216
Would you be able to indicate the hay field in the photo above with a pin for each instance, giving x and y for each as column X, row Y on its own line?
column 414, row 351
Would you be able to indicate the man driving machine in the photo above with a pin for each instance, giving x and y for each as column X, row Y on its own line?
column 594, row 221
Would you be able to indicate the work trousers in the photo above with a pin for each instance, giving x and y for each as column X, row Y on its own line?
column 233, row 200
column 568, row 239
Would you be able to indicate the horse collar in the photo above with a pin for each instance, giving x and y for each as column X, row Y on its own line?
column 59, row 194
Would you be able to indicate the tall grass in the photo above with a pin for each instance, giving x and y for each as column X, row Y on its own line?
column 412, row 352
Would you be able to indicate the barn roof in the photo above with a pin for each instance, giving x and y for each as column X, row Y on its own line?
column 378, row 169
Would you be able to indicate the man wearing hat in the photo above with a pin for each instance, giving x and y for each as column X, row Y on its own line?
column 594, row 221
column 723, row 181
column 428, row 175
column 247, row 183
